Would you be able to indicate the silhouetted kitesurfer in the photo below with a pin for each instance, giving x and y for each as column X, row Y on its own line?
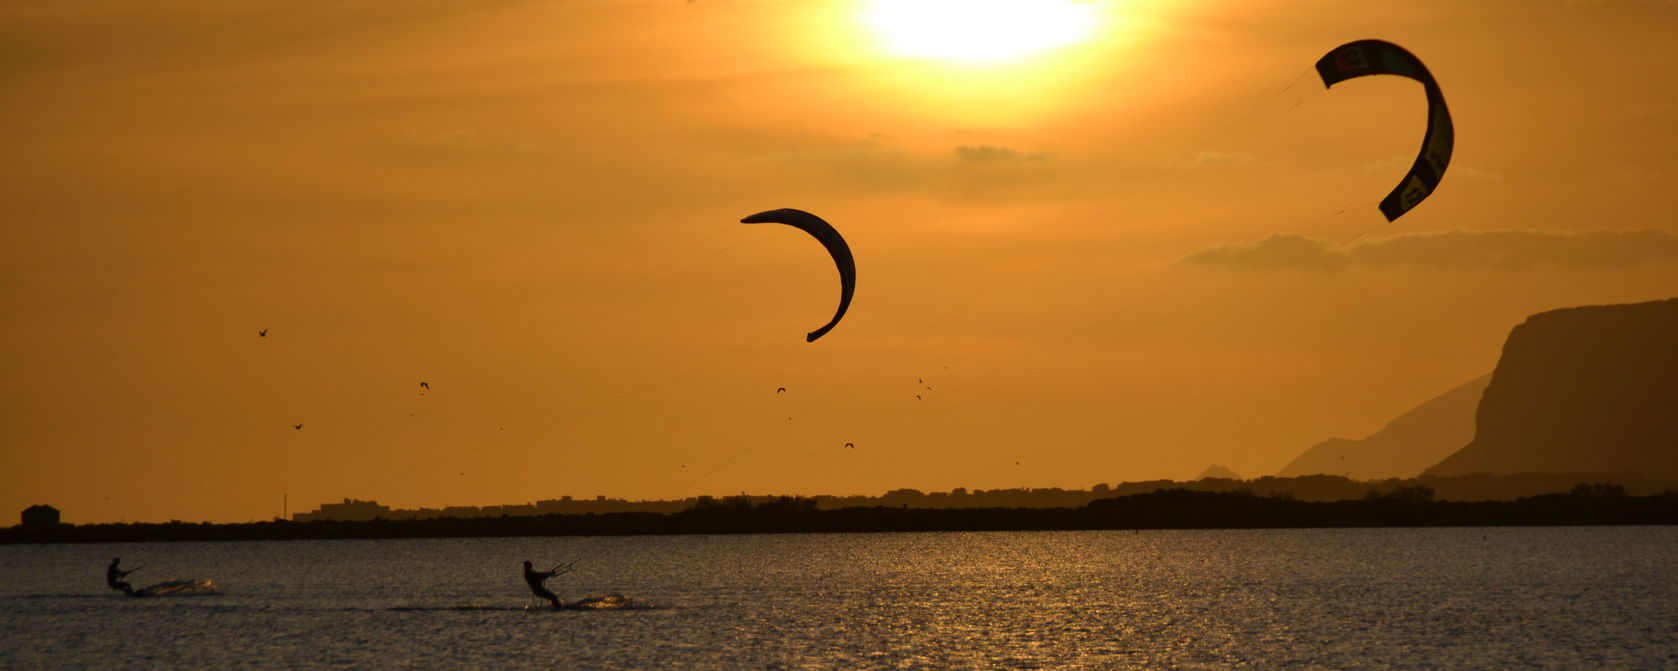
column 114, row 577
column 535, row 579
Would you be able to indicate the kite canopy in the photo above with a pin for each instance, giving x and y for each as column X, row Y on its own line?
column 1375, row 57
column 836, row 247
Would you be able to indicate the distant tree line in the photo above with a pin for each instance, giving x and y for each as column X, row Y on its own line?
column 1302, row 488
column 1600, row 503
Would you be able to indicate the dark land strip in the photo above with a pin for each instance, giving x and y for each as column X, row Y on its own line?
column 1586, row 505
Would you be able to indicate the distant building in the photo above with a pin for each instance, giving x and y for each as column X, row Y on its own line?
column 40, row 517
column 462, row 511
column 351, row 510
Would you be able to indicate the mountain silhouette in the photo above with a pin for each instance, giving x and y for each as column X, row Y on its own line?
column 1403, row 448
column 1581, row 390
column 1217, row 471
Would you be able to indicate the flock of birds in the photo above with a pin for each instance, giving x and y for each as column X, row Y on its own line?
column 427, row 386
column 263, row 333
column 851, row 446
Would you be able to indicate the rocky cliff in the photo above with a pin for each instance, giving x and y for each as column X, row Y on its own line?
column 1404, row 447
column 1581, row 390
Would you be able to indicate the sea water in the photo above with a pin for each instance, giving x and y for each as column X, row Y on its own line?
column 1459, row 598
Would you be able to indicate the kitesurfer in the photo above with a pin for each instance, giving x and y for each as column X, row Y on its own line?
column 114, row 577
column 535, row 579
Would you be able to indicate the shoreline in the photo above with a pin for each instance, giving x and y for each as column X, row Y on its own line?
column 1168, row 509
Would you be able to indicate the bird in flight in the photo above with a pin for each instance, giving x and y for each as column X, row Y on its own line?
column 299, row 427
column 262, row 334
column 780, row 390
column 425, row 385
column 851, row 446
column 917, row 397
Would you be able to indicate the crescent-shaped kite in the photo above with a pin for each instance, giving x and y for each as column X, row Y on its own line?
column 836, row 247
column 1375, row 57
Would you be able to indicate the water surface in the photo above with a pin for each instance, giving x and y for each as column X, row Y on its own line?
column 1562, row 598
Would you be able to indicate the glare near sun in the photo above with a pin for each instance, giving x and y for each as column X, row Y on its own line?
column 979, row 31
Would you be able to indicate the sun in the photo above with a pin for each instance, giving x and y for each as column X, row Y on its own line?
column 979, row 31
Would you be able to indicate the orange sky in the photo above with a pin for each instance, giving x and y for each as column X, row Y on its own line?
column 531, row 206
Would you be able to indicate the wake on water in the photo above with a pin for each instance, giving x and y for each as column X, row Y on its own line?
column 607, row 602
column 180, row 587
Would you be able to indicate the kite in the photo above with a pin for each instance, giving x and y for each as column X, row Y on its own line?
column 824, row 233
column 1375, row 57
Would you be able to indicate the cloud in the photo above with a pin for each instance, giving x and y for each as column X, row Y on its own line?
column 1656, row 109
column 1657, row 3
column 880, row 163
column 1398, row 164
column 1644, row 175
column 1214, row 157
column 985, row 153
column 1457, row 249
column 1386, row 165
column 472, row 139
column 1472, row 172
